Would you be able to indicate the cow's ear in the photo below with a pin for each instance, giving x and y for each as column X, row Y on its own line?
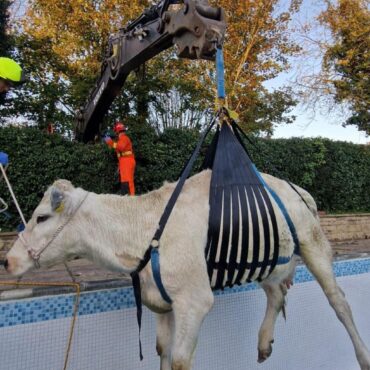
column 57, row 199
column 63, row 185
column 61, row 198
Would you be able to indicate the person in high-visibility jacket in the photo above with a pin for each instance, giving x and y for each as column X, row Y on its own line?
column 11, row 74
column 126, row 158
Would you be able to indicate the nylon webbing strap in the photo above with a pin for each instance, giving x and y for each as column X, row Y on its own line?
column 157, row 275
column 239, row 131
column 220, row 70
column 161, row 225
column 139, row 308
column 184, row 175
column 267, row 200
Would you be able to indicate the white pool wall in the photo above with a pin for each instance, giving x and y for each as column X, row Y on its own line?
column 34, row 332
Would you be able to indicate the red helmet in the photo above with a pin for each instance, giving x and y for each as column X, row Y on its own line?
column 119, row 127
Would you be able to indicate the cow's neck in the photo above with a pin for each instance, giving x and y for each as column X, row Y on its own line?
column 120, row 228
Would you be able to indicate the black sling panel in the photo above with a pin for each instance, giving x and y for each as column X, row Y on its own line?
column 275, row 232
column 245, row 237
column 237, row 199
column 235, row 236
column 266, row 231
column 256, row 232
column 222, row 263
column 267, row 200
column 214, row 223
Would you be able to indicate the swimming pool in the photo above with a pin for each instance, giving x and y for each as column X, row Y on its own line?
column 34, row 331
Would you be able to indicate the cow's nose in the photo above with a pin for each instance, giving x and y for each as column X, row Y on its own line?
column 6, row 264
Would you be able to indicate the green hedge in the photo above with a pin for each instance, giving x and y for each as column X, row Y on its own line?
column 37, row 159
column 337, row 174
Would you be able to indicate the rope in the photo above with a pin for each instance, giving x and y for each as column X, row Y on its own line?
column 2, row 174
column 35, row 254
column 75, row 310
column 12, row 194
column 2, row 201
column 158, row 233
column 70, row 273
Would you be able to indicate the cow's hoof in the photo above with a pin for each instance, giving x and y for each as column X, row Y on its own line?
column 264, row 354
column 364, row 360
column 365, row 366
column 159, row 349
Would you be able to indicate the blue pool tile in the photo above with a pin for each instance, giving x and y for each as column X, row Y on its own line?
column 58, row 307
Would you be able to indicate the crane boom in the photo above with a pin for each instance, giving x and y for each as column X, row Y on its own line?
column 196, row 29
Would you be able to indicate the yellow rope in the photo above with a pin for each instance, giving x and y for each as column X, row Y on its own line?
column 75, row 310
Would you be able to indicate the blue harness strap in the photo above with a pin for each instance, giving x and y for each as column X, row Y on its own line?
column 220, row 70
column 285, row 213
column 157, row 275
column 152, row 252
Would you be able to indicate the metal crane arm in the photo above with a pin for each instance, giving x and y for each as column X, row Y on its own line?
column 196, row 29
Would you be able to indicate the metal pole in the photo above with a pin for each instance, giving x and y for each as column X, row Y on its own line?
column 12, row 194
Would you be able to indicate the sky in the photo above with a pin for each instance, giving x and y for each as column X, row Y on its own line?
column 320, row 124
column 326, row 125
column 304, row 126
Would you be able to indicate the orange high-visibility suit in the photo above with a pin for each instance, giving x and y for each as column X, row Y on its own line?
column 126, row 161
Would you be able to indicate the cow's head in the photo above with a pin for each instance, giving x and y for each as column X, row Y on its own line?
column 51, row 235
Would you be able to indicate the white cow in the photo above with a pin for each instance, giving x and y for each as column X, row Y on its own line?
column 114, row 232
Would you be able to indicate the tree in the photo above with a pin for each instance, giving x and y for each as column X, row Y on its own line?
column 46, row 97
column 5, row 42
column 60, row 44
column 258, row 48
column 5, row 39
column 348, row 57
column 69, row 38
column 333, row 75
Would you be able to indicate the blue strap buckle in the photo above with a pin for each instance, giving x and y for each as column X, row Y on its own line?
column 154, row 254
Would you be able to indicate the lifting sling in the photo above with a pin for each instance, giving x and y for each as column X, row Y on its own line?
column 242, row 212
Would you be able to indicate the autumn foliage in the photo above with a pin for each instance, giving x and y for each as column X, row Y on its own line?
column 63, row 42
column 78, row 30
column 257, row 48
column 347, row 58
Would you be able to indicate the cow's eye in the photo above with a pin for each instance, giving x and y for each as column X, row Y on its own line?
column 42, row 218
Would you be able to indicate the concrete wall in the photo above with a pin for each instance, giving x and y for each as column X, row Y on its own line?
column 346, row 227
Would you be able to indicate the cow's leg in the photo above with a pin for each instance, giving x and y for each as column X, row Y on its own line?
column 189, row 313
column 275, row 302
column 318, row 258
column 165, row 324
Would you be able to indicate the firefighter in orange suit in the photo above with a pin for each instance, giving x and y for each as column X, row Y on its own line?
column 126, row 158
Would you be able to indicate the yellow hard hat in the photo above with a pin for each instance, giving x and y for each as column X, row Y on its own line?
column 11, row 71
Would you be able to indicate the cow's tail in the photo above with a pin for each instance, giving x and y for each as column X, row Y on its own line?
column 306, row 198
